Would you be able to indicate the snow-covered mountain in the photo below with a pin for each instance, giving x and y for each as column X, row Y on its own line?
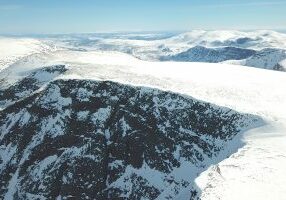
column 211, row 55
column 243, row 39
column 13, row 49
column 104, row 140
column 201, row 46
column 105, row 125
column 266, row 59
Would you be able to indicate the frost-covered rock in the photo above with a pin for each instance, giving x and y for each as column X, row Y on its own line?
column 267, row 59
column 88, row 139
column 212, row 55
column 29, row 84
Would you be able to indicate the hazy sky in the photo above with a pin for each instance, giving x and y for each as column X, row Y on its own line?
column 64, row 16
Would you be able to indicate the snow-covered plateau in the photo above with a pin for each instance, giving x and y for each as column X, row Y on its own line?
column 79, row 121
column 13, row 49
column 262, row 49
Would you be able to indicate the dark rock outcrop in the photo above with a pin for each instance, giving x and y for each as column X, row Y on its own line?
column 84, row 139
column 211, row 55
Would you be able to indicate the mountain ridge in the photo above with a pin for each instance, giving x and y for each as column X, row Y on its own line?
column 68, row 128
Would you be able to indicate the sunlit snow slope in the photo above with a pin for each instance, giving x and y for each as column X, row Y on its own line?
column 257, row 170
column 242, row 88
column 13, row 49
column 261, row 49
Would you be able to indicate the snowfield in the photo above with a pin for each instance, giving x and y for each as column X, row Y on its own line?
column 13, row 49
column 242, row 88
column 255, row 171
column 261, row 49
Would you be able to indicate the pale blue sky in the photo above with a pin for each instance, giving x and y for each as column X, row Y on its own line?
column 75, row 16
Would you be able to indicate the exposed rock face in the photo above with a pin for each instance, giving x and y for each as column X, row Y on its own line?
column 279, row 67
column 29, row 84
column 267, row 58
column 84, row 139
column 212, row 55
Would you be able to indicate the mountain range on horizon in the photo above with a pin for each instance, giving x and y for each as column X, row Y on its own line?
column 194, row 115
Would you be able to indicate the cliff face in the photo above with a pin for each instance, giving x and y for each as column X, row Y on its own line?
column 87, row 139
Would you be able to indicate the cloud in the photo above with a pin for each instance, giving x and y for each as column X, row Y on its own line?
column 9, row 7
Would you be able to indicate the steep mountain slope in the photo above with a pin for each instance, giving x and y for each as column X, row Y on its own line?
column 96, row 140
column 29, row 84
column 266, row 59
column 13, row 49
column 211, row 55
column 156, row 167
column 201, row 46
column 256, row 171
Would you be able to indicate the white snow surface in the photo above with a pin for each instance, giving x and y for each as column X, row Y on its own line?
column 256, row 91
column 260, row 39
column 154, row 49
column 12, row 49
column 283, row 64
column 257, row 170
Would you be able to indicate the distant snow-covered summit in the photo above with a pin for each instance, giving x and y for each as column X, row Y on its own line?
column 106, row 125
column 262, row 49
